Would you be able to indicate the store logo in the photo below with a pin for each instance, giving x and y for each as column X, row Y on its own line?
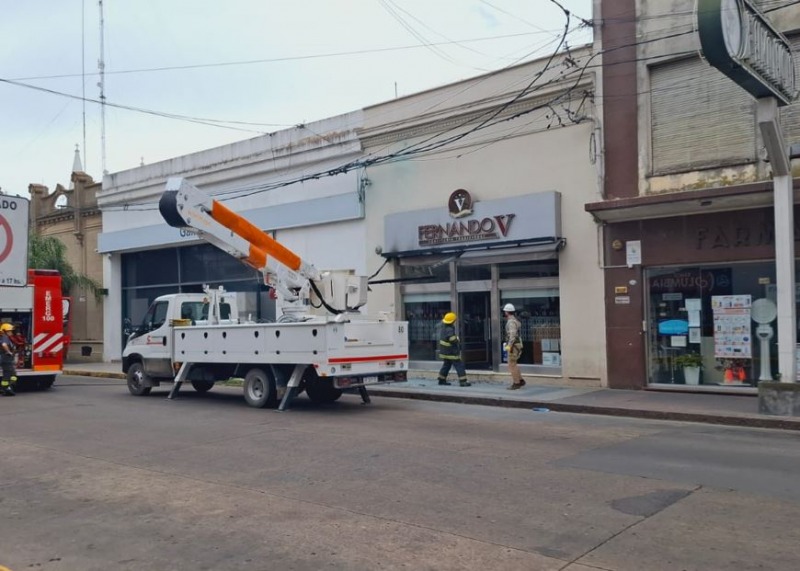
column 489, row 228
column 460, row 203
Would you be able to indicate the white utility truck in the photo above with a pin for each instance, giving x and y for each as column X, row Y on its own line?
column 321, row 343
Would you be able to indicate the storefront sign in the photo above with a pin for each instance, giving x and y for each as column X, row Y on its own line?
column 740, row 42
column 466, row 231
column 692, row 282
column 527, row 219
column 739, row 236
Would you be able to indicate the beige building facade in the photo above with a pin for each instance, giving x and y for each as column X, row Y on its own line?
column 519, row 156
column 72, row 216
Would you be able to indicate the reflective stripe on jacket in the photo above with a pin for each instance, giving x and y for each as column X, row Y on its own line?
column 449, row 345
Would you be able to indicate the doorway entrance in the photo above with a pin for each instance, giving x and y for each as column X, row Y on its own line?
column 475, row 329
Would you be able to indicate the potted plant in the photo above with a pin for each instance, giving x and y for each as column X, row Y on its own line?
column 691, row 364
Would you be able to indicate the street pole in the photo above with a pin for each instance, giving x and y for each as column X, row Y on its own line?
column 777, row 151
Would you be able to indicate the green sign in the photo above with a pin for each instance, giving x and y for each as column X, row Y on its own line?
column 740, row 42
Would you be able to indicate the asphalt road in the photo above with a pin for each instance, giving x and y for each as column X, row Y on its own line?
column 92, row 478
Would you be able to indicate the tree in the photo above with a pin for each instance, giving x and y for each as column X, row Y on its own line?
column 50, row 253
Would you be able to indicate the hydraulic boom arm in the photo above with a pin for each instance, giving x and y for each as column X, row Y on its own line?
column 183, row 205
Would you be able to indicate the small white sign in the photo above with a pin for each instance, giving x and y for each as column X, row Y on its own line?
column 694, row 335
column 13, row 240
column 678, row 340
column 622, row 299
column 693, row 304
column 633, row 252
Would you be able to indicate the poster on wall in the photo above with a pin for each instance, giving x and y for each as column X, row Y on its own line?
column 732, row 335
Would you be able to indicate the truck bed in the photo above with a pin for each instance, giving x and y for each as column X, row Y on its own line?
column 334, row 349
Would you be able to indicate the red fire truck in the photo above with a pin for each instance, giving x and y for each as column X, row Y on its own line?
column 41, row 327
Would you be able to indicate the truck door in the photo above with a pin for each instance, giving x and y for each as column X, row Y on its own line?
column 152, row 341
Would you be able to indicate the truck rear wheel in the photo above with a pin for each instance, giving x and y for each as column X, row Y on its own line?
column 259, row 389
column 137, row 380
column 322, row 391
column 202, row 386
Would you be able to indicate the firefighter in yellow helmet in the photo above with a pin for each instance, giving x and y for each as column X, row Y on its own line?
column 449, row 351
column 7, row 359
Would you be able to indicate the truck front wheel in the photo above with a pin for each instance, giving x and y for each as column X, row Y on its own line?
column 259, row 389
column 137, row 380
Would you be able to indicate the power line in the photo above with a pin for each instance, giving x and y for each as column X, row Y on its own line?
column 424, row 146
column 283, row 59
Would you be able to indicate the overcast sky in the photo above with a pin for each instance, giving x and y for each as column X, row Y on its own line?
column 265, row 64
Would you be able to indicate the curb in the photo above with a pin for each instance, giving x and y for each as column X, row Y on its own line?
column 97, row 374
column 782, row 423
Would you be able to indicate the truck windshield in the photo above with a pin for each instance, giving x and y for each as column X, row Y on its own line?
column 155, row 316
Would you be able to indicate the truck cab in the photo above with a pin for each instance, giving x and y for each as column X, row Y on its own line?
column 150, row 343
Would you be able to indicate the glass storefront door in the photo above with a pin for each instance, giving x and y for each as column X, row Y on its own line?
column 705, row 325
column 476, row 329
column 476, row 290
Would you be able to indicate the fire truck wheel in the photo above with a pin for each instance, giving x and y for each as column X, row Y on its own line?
column 45, row 383
column 202, row 386
column 259, row 389
column 136, row 380
column 322, row 390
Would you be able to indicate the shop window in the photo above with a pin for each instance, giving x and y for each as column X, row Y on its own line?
column 424, row 311
column 135, row 303
column 539, row 312
column 433, row 273
column 708, row 316
column 205, row 263
column 540, row 269
column 473, row 273
column 149, row 268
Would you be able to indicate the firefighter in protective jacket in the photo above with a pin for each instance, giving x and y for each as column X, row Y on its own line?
column 449, row 351
column 7, row 359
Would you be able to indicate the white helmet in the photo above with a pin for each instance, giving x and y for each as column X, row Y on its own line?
column 509, row 307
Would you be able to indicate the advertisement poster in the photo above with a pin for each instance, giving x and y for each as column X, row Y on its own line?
column 732, row 334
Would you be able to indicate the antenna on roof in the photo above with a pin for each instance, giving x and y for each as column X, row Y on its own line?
column 101, row 65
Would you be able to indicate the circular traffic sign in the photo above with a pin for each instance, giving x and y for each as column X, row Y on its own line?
column 9, row 238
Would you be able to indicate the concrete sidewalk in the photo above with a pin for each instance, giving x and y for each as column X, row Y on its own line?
column 734, row 410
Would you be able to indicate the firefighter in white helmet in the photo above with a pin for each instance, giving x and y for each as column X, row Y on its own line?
column 7, row 359
column 513, row 345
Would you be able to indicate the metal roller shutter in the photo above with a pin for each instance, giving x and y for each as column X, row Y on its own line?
column 699, row 118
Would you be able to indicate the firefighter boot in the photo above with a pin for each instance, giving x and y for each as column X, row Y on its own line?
column 6, row 389
column 464, row 383
column 444, row 381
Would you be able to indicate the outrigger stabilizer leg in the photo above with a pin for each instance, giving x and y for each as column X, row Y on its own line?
column 184, row 370
column 362, row 390
column 292, row 386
